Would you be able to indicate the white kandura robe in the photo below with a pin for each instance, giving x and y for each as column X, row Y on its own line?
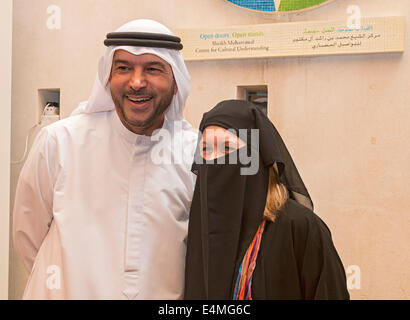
column 118, row 222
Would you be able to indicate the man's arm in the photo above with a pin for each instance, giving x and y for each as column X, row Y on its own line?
column 33, row 204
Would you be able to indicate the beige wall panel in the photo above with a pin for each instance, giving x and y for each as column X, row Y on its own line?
column 5, row 120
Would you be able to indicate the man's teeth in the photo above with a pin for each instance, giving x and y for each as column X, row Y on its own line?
column 139, row 100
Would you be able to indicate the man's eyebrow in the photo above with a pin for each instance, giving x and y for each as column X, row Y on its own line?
column 156, row 63
column 119, row 61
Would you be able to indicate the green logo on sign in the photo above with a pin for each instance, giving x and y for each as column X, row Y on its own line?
column 277, row 6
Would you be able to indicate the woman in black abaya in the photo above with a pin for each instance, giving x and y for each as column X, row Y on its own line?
column 254, row 236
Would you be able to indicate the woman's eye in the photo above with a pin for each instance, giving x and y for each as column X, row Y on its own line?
column 229, row 148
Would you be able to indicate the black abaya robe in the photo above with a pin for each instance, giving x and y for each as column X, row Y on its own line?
column 297, row 258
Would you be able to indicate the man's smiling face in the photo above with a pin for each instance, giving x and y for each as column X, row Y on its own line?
column 142, row 88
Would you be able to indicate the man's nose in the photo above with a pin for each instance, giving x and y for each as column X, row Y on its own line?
column 138, row 79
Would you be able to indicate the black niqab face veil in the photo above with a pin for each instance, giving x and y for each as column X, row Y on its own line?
column 227, row 206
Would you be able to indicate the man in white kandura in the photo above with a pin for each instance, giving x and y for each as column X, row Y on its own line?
column 96, row 215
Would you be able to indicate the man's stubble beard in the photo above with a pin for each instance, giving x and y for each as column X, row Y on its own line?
column 157, row 113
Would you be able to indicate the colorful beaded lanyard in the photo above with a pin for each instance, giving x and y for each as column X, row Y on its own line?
column 245, row 274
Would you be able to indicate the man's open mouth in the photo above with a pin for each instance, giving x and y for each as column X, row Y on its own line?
column 139, row 100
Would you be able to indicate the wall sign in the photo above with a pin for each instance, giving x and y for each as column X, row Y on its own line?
column 314, row 38
column 278, row 6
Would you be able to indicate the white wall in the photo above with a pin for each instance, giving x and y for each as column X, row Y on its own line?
column 5, row 119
